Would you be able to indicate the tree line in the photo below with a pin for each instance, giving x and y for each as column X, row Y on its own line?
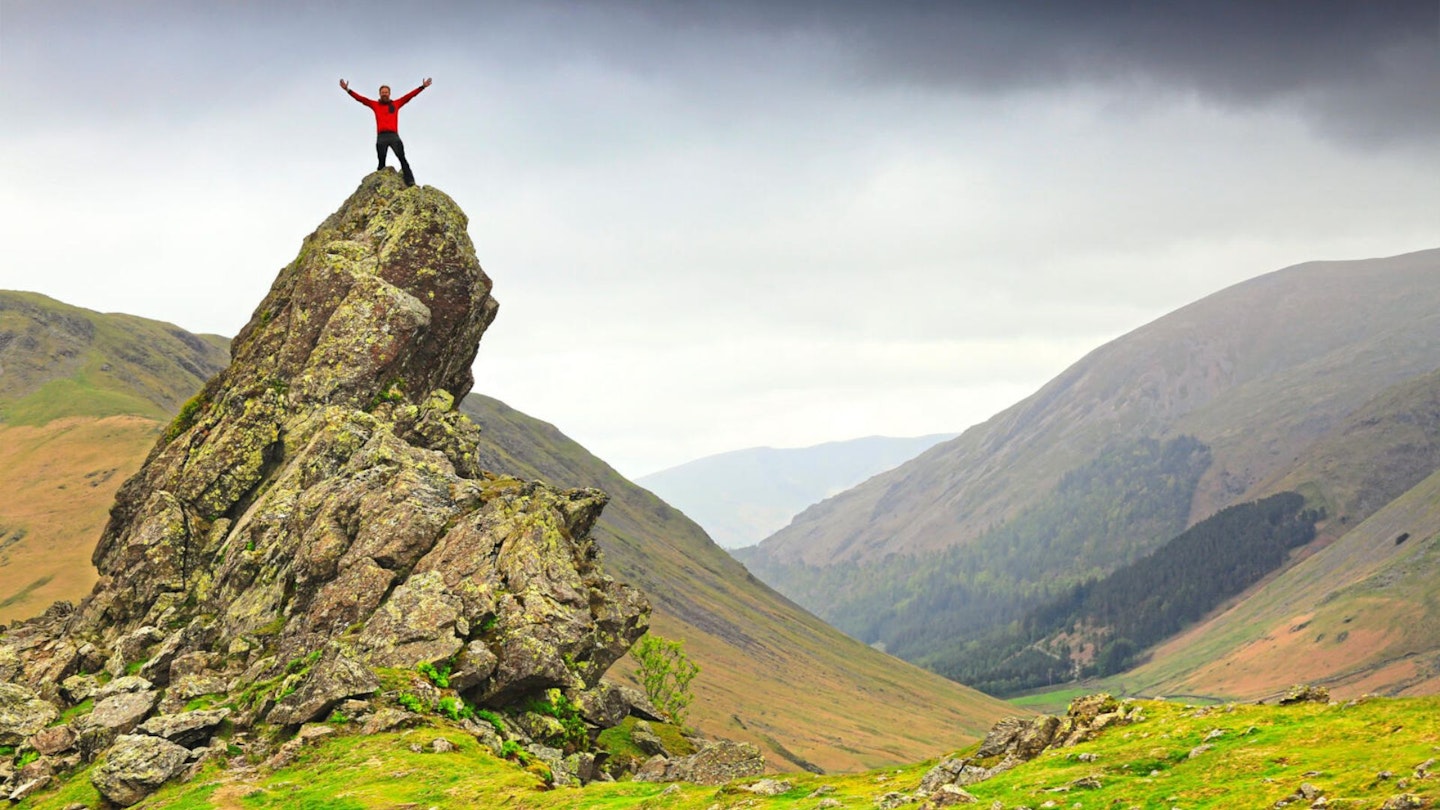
column 1118, row 615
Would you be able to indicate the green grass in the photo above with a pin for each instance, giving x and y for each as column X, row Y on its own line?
column 1262, row 754
column 1051, row 702
column 82, row 708
column 76, row 396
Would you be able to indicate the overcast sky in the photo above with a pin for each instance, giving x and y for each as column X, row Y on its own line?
column 723, row 225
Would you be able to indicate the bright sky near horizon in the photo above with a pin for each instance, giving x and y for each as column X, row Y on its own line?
column 723, row 225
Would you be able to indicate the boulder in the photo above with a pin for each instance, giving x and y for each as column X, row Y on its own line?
column 54, row 740
column 602, row 705
column 27, row 787
column 120, row 712
column 136, row 766
column 22, row 714
column 771, row 787
column 131, row 648
column 644, row 738
column 1303, row 693
column 715, row 764
column 473, row 666
column 334, row 678
column 640, row 705
column 122, row 685
column 388, row 719
column 188, row 729
column 948, row 795
column 953, row 771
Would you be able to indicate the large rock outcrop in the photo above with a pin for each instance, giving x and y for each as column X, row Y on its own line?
column 316, row 514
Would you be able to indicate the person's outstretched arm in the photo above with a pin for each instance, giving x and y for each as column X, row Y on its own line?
column 413, row 93
column 344, row 85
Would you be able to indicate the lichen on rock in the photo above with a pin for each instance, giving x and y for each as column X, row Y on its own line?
column 316, row 517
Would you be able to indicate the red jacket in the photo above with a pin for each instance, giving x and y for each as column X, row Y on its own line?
column 387, row 114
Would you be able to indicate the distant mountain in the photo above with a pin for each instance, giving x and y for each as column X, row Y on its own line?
column 744, row 496
column 57, row 360
column 771, row 673
column 1206, row 407
column 83, row 396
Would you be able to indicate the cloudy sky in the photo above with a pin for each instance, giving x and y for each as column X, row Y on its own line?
column 733, row 224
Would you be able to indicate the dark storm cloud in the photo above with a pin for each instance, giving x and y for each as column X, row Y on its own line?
column 1361, row 71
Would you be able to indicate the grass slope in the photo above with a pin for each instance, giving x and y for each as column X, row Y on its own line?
column 771, row 673
column 1383, row 449
column 60, row 361
column 1356, row 755
column 57, row 482
column 1359, row 615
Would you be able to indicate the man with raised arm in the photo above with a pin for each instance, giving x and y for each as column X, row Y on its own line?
column 387, row 124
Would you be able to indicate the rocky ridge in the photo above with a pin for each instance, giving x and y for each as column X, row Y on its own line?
column 314, row 527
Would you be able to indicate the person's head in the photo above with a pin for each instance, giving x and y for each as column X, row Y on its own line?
column 384, row 92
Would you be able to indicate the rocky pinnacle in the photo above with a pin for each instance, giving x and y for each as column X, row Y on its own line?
column 316, row 514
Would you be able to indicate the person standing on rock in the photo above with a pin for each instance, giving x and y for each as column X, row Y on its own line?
column 387, row 124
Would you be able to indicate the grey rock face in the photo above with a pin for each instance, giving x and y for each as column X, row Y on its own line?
column 189, row 729
column 715, row 764
column 136, row 766
column 22, row 713
column 333, row 679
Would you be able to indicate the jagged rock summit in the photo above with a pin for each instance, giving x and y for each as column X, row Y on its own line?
column 315, row 518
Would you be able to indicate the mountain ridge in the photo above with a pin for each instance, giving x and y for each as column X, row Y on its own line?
column 1257, row 373
column 742, row 496
column 1173, row 373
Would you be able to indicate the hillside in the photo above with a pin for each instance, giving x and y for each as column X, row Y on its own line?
column 1360, row 615
column 802, row 691
column 83, row 396
column 772, row 673
column 57, row 360
column 1255, row 371
column 1100, row 625
column 744, row 496
column 1254, row 375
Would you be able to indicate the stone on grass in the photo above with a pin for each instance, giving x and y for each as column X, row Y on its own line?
column 333, row 678
column 771, row 787
column 137, row 766
column 22, row 713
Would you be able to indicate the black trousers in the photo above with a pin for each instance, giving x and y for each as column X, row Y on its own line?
column 391, row 140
